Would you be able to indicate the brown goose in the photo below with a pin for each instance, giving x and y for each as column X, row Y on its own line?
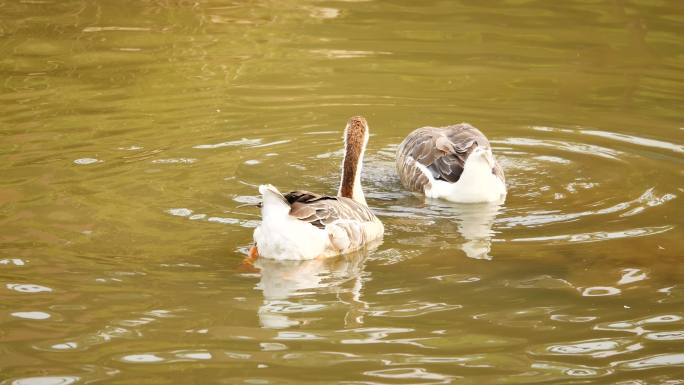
column 304, row 225
column 453, row 163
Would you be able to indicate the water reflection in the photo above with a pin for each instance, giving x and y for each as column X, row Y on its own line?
column 283, row 281
column 474, row 223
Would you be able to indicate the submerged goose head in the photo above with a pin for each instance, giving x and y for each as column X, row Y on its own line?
column 453, row 163
column 355, row 140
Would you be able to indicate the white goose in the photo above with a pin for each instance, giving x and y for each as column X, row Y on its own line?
column 303, row 225
column 453, row 163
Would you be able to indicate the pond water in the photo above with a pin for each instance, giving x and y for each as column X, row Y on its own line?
column 134, row 133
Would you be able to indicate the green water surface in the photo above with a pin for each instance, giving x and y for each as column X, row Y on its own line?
column 133, row 133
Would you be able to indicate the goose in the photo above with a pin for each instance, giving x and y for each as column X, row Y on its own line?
column 453, row 163
column 301, row 225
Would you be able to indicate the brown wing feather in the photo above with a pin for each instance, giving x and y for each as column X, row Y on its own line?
column 322, row 210
column 442, row 150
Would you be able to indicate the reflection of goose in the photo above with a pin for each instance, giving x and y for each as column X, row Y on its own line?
column 281, row 280
column 473, row 221
column 302, row 225
column 454, row 163
column 475, row 225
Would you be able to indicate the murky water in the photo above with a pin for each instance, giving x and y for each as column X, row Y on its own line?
column 133, row 133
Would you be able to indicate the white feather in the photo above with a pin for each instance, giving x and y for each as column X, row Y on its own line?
column 281, row 236
column 476, row 184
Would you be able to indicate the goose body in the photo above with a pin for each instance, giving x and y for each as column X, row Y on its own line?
column 302, row 225
column 453, row 163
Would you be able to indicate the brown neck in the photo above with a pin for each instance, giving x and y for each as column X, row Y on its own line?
column 355, row 138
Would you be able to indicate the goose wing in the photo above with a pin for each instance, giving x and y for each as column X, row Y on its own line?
column 324, row 210
column 349, row 224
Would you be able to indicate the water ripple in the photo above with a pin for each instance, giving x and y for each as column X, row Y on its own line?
column 28, row 288
column 413, row 374
column 655, row 361
column 677, row 335
column 580, row 148
column 412, row 309
column 653, row 143
column 47, row 380
column 646, row 199
column 598, row 348
column 379, row 336
column 596, row 236
column 35, row 315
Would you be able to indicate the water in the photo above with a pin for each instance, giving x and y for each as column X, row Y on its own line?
column 133, row 133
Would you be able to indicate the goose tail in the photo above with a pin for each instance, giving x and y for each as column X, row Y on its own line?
column 274, row 204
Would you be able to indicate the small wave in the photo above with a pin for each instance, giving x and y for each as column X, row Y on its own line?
column 579, row 148
column 597, row 236
column 86, row 161
column 34, row 315
column 175, row 160
column 47, row 380
column 659, row 144
column 629, row 208
column 28, row 288
column 231, row 143
column 650, row 362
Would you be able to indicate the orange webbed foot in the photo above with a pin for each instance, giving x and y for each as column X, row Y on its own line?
column 247, row 263
column 253, row 252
